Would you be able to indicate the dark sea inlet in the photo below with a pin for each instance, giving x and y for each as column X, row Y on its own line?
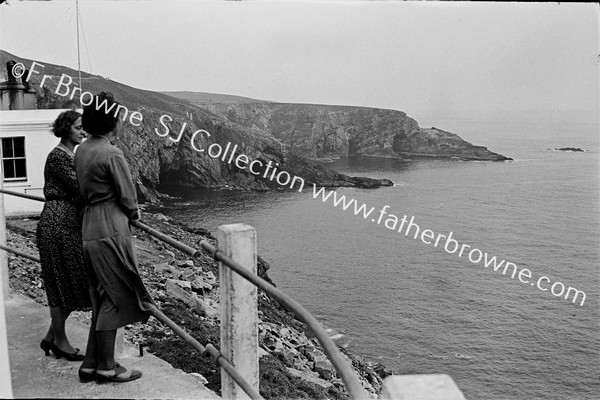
column 418, row 309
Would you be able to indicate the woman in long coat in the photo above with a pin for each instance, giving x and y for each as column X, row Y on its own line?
column 117, row 292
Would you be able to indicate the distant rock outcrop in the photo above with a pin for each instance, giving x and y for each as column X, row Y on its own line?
column 570, row 149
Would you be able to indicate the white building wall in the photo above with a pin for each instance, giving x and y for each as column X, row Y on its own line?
column 34, row 126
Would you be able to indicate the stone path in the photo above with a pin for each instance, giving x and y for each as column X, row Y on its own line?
column 36, row 376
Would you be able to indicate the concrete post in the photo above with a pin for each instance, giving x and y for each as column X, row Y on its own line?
column 3, row 254
column 420, row 387
column 5, row 376
column 239, row 308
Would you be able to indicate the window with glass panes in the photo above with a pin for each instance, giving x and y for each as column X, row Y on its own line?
column 13, row 159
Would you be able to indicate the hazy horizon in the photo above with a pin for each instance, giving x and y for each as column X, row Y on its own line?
column 432, row 60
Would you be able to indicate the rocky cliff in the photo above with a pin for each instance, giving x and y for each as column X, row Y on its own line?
column 286, row 135
column 159, row 160
column 320, row 131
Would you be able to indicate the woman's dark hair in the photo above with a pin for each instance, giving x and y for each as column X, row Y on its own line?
column 99, row 117
column 63, row 123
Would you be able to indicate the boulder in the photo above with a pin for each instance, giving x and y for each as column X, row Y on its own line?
column 174, row 290
column 269, row 341
column 308, row 377
column 339, row 383
column 262, row 352
column 181, row 283
column 299, row 364
column 210, row 278
column 201, row 287
column 381, row 370
column 164, row 268
column 284, row 332
column 208, row 306
column 324, row 369
column 278, row 345
column 185, row 264
column 288, row 358
column 163, row 218
column 190, row 277
column 314, row 354
column 170, row 254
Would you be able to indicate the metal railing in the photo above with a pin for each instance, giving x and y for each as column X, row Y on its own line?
column 344, row 370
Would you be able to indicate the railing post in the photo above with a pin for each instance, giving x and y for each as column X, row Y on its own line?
column 239, row 308
column 5, row 376
column 3, row 254
column 420, row 387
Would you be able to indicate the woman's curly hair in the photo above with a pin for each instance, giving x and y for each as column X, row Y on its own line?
column 96, row 120
column 63, row 123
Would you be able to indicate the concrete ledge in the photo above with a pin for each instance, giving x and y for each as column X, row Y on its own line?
column 420, row 387
column 34, row 375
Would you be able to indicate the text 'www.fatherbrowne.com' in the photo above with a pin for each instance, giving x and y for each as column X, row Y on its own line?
column 450, row 245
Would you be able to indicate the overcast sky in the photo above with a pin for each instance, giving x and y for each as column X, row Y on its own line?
column 424, row 58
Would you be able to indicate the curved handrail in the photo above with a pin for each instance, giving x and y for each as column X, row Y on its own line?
column 333, row 353
column 190, row 251
column 209, row 349
column 19, row 253
column 24, row 195
column 347, row 374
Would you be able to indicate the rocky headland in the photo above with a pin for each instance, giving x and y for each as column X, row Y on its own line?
column 287, row 135
column 329, row 132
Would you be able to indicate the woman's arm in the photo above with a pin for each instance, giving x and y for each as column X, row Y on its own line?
column 61, row 168
column 126, row 193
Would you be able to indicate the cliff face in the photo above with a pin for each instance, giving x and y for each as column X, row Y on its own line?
column 159, row 160
column 317, row 131
column 280, row 134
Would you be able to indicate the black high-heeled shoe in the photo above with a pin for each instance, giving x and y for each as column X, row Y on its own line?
column 69, row 356
column 46, row 346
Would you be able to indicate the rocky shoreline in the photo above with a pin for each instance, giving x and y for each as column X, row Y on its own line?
column 292, row 363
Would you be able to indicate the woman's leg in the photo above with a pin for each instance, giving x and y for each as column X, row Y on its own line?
column 90, row 362
column 59, row 316
column 108, row 368
column 106, row 349
column 50, row 334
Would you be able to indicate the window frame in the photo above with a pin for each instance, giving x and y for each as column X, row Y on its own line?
column 13, row 158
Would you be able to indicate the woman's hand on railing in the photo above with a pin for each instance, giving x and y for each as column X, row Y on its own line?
column 137, row 215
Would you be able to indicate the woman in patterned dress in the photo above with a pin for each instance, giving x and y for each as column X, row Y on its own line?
column 118, row 295
column 59, row 237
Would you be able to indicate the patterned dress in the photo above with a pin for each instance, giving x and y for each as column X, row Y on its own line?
column 59, row 235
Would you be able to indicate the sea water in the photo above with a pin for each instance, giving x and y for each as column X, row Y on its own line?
column 420, row 310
